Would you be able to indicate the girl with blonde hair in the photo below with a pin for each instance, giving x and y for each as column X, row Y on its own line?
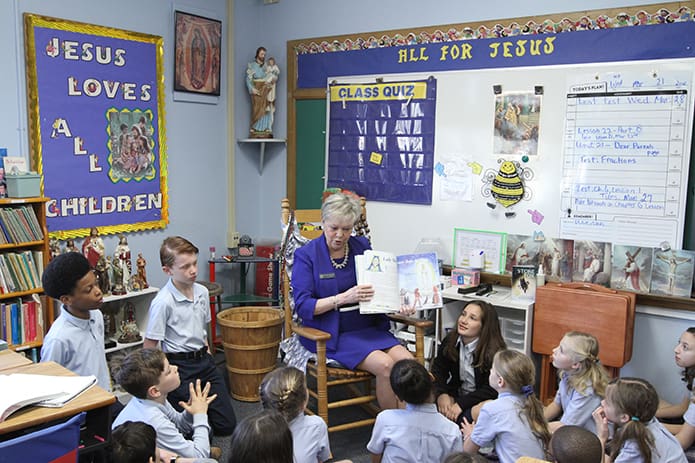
column 583, row 382
column 514, row 422
column 284, row 390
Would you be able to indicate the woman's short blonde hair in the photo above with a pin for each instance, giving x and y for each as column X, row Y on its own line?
column 341, row 206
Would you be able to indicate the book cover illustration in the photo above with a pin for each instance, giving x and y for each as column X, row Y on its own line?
column 632, row 268
column 400, row 282
column 418, row 281
column 592, row 262
column 524, row 282
column 672, row 272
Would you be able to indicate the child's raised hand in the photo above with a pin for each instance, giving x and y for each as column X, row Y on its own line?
column 467, row 428
column 199, row 400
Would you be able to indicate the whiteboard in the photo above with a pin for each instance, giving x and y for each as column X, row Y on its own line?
column 464, row 131
column 626, row 162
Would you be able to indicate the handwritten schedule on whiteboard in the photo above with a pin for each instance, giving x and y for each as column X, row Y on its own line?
column 626, row 157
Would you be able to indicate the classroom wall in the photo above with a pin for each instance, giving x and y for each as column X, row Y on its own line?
column 275, row 24
column 196, row 133
column 656, row 330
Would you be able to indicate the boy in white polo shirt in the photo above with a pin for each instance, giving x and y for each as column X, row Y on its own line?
column 179, row 316
column 76, row 338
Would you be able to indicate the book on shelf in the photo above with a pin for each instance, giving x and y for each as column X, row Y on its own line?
column 524, row 282
column 406, row 281
column 19, row 271
column 19, row 225
column 42, row 390
column 22, row 321
column 15, row 165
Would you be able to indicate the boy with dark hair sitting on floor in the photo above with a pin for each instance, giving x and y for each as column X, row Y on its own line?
column 572, row 444
column 147, row 375
column 136, row 442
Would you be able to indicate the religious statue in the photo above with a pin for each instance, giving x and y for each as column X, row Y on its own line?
column 54, row 247
column 142, row 272
column 93, row 247
column 118, row 286
column 70, row 246
column 122, row 260
column 261, row 79
column 102, row 272
column 129, row 328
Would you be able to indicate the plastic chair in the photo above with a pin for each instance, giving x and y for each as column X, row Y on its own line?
column 359, row 382
column 55, row 444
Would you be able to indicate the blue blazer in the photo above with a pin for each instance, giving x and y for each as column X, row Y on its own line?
column 311, row 262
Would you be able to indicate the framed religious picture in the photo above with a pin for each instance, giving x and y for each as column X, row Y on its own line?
column 198, row 54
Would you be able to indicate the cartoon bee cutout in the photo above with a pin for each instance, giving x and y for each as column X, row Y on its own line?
column 507, row 185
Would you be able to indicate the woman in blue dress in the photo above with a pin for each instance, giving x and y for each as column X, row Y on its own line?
column 324, row 280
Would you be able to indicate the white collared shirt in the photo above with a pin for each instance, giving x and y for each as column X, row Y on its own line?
column 78, row 345
column 466, row 370
column 178, row 322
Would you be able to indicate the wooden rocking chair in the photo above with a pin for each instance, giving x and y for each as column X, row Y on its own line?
column 357, row 381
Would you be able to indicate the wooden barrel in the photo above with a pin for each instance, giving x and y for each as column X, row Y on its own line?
column 251, row 337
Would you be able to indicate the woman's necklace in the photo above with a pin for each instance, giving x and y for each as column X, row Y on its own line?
column 345, row 259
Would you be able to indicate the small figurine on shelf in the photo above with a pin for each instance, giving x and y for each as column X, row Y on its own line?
column 108, row 321
column 122, row 260
column 110, row 315
column 54, row 247
column 93, row 247
column 142, row 272
column 129, row 328
column 134, row 283
column 102, row 272
column 118, row 287
column 70, row 246
column 245, row 249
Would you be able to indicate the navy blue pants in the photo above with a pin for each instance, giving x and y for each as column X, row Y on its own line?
column 220, row 412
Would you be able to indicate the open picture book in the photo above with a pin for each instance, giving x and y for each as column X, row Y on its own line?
column 21, row 390
column 407, row 281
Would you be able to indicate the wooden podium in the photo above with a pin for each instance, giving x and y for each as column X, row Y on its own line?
column 607, row 314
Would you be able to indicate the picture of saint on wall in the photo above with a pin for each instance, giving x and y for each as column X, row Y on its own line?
column 556, row 259
column 632, row 268
column 516, row 123
column 592, row 262
column 131, row 143
column 521, row 250
column 672, row 272
column 198, row 54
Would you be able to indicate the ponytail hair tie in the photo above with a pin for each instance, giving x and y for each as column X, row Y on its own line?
column 634, row 418
column 527, row 390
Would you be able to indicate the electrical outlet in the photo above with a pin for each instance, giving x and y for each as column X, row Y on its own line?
column 233, row 240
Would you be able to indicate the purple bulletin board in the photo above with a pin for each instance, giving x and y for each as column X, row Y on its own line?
column 381, row 139
column 96, row 119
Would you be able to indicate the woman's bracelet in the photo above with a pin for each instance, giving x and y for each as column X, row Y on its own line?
column 335, row 302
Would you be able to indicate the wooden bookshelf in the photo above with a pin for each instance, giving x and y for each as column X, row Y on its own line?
column 18, row 239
